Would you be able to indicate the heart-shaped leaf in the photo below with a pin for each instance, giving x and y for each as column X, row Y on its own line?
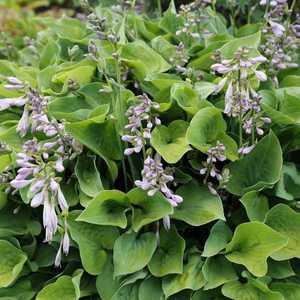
column 252, row 244
column 12, row 261
column 100, row 138
column 151, row 289
column 251, row 41
column 170, row 142
column 220, row 235
column 213, row 275
column 252, row 290
column 143, row 60
column 133, row 251
column 199, row 206
column 187, row 98
column 285, row 220
column 191, row 278
column 168, row 257
column 259, row 169
column 147, row 209
column 256, row 205
column 93, row 240
column 106, row 284
column 65, row 287
column 289, row 290
column 207, row 128
column 88, row 175
column 108, row 208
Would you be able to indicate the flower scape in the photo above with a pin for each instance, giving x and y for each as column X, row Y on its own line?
column 149, row 150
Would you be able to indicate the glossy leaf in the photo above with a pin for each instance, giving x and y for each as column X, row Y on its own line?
column 257, row 170
column 12, row 261
column 147, row 209
column 133, row 251
column 170, row 142
column 217, row 271
column 199, row 206
column 88, row 175
column 108, row 208
column 191, row 278
column 207, row 128
column 168, row 257
column 256, row 206
column 252, row 244
column 93, row 240
column 285, row 220
column 220, row 235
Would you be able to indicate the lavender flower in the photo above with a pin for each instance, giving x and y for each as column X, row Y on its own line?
column 64, row 245
column 194, row 15
column 237, row 72
column 155, row 178
column 141, row 121
column 38, row 164
column 281, row 40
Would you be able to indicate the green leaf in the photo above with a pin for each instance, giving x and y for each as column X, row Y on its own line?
column 170, row 142
column 108, row 208
column 133, row 251
column 21, row 290
column 191, row 278
column 288, row 187
column 220, row 235
column 11, row 138
column 290, row 106
column 257, row 170
column 71, row 29
column 147, row 209
column 251, row 41
column 70, row 108
column 252, row 244
column 81, row 72
column 168, row 257
column 285, row 220
column 88, row 175
column 204, row 89
column 280, row 269
column 93, row 240
column 100, row 138
column 12, row 261
column 289, row 290
column 105, row 283
column 252, row 290
column 207, row 295
column 50, row 54
column 65, row 287
column 188, row 98
column 151, row 289
column 143, row 60
column 206, row 128
column 127, row 292
column 199, row 206
column 213, row 275
column 256, row 206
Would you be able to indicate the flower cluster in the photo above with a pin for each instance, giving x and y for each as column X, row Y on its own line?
column 156, row 179
column 281, row 39
column 214, row 154
column 193, row 14
column 39, row 164
column 97, row 24
column 34, row 112
column 238, row 71
column 141, row 122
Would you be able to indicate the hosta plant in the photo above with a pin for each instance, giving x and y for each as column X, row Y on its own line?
column 151, row 156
